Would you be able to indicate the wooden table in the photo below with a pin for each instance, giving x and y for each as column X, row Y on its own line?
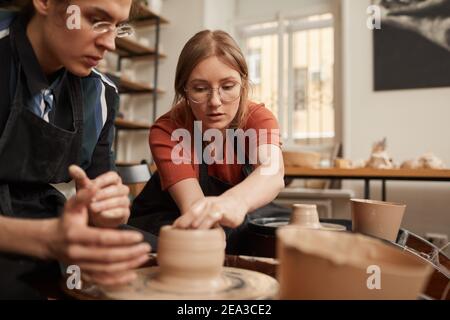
column 368, row 174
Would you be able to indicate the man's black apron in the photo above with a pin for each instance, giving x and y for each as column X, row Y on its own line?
column 154, row 208
column 33, row 154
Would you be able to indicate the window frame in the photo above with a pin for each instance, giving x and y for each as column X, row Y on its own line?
column 287, row 26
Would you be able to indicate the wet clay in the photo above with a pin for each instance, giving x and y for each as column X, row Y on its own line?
column 339, row 265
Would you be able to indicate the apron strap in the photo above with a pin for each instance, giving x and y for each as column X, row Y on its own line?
column 247, row 169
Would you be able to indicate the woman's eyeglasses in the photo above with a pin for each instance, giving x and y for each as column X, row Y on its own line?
column 202, row 93
column 121, row 31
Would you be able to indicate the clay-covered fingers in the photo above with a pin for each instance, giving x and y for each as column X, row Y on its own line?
column 80, row 200
column 80, row 177
column 112, row 191
column 107, row 179
column 118, row 214
column 103, row 237
column 112, row 218
column 186, row 220
column 183, row 222
column 111, row 203
column 208, row 215
column 81, row 253
column 210, row 220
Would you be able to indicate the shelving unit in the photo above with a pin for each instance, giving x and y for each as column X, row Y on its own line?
column 122, row 124
column 127, row 48
column 130, row 49
column 127, row 86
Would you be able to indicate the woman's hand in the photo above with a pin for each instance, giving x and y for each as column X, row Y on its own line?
column 105, row 257
column 110, row 206
column 209, row 211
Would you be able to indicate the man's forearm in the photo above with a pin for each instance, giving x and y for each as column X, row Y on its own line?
column 25, row 236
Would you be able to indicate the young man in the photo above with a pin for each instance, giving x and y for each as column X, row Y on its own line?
column 55, row 111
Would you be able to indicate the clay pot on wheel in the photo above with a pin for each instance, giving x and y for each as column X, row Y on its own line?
column 191, row 259
column 306, row 216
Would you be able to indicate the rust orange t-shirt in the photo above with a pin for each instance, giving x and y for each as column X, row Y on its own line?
column 258, row 118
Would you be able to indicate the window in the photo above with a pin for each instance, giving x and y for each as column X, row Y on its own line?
column 301, row 95
column 264, row 87
column 300, row 88
column 254, row 66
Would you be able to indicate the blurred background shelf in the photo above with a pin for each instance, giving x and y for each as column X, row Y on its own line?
column 127, row 48
column 131, row 125
column 127, row 86
column 146, row 17
column 139, row 49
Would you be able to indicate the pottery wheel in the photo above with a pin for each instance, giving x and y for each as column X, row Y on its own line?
column 324, row 226
column 332, row 227
column 241, row 284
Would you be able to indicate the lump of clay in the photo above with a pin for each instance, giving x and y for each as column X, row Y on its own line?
column 430, row 161
column 379, row 159
column 426, row 161
column 342, row 163
column 411, row 164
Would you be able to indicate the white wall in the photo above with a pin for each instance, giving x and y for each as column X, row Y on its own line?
column 219, row 15
column 186, row 19
column 414, row 122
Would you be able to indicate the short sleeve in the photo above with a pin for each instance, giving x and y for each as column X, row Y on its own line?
column 265, row 125
column 171, row 160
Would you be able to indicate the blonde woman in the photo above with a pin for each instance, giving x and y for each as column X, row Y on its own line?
column 189, row 190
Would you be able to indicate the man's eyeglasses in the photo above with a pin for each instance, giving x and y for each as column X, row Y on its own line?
column 124, row 30
column 201, row 93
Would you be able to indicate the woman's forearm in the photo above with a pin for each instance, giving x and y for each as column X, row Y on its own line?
column 185, row 193
column 25, row 236
column 264, row 183
column 257, row 190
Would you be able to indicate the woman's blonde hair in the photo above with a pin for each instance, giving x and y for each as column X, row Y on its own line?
column 201, row 46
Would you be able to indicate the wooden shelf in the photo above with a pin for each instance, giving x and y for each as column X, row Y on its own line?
column 123, row 124
column 127, row 86
column 127, row 48
column 146, row 17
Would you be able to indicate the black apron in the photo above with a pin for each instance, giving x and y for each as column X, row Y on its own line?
column 154, row 208
column 33, row 154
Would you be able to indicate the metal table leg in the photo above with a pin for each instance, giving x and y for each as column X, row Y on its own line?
column 366, row 188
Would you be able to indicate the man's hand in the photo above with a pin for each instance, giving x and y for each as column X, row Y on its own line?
column 110, row 206
column 105, row 257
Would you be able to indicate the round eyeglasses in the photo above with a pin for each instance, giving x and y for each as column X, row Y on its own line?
column 124, row 30
column 202, row 93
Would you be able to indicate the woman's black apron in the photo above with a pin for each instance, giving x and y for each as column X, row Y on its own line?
column 154, row 208
column 34, row 154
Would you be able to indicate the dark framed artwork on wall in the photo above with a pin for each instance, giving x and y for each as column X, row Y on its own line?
column 412, row 48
